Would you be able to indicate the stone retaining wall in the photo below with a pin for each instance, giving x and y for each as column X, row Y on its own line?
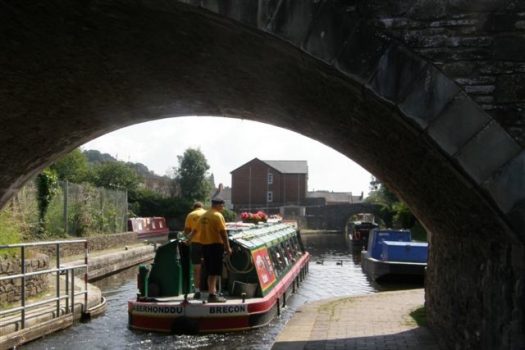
column 94, row 243
column 10, row 290
column 102, row 266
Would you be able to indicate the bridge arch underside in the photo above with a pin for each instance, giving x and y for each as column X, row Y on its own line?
column 74, row 71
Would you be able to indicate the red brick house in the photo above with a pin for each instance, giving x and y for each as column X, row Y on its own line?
column 269, row 184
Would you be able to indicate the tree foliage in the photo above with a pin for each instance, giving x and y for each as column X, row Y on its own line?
column 73, row 167
column 229, row 215
column 191, row 182
column 47, row 187
column 191, row 175
column 116, row 175
column 96, row 157
column 394, row 212
column 148, row 203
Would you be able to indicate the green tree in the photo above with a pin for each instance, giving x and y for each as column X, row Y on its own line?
column 382, row 196
column 229, row 215
column 115, row 175
column 47, row 187
column 96, row 157
column 191, row 176
column 394, row 212
column 72, row 167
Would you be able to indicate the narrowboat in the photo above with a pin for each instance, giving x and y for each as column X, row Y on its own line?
column 392, row 255
column 358, row 232
column 153, row 229
column 267, row 265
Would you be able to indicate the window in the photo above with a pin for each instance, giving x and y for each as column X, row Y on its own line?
column 270, row 178
column 269, row 196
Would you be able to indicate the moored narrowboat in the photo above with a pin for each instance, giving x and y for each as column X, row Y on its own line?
column 267, row 265
column 153, row 229
column 392, row 255
column 358, row 232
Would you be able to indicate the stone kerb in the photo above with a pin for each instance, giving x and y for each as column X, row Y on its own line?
column 10, row 290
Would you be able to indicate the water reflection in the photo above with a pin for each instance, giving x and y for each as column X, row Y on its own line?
column 339, row 274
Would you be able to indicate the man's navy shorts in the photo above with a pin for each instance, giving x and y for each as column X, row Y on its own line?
column 196, row 253
column 212, row 254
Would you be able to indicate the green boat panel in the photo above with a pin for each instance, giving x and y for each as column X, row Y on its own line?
column 260, row 235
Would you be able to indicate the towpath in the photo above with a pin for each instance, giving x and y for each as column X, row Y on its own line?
column 379, row 321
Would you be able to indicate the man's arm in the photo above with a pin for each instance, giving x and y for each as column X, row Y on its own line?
column 226, row 241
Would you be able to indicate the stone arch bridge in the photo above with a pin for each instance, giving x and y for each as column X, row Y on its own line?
column 336, row 217
column 428, row 95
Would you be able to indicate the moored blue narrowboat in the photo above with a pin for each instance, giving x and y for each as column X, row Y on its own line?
column 391, row 254
column 267, row 265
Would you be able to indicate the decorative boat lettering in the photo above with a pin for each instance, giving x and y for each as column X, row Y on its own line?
column 228, row 309
column 157, row 309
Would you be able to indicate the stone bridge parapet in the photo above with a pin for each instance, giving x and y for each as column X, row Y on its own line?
column 428, row 95
column 336, row 217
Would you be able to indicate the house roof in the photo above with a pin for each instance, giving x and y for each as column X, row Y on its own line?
column 283, row 166
column 289, row 166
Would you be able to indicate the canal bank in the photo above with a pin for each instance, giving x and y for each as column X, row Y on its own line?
column 103, row 263
column 370, row 322
column 46, row 319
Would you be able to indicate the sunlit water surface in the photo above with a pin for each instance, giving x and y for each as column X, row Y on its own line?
column 334, row 271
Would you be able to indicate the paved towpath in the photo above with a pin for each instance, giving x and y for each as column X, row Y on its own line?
column 379, row 321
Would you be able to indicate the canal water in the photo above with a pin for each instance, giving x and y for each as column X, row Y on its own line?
column 334, row 271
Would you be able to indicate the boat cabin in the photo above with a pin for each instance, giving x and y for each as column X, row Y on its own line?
column 262, row 254
column 393, row 253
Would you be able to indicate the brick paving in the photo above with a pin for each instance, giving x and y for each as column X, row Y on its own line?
column 379, row 321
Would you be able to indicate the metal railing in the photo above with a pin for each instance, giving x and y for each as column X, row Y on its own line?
column 68, row 271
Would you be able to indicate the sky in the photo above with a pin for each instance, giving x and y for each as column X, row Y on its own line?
column 227, row 144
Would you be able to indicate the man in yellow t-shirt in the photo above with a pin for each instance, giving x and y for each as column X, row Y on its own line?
column 192, row 232
column 214, row 240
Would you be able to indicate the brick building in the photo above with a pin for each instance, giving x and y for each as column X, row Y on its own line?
column 269, row 184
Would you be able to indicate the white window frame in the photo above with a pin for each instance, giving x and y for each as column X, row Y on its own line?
column 270, row 178
column 269, row 196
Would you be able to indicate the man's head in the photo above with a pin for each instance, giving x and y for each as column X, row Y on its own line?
column 217, row 203
column 197, row 205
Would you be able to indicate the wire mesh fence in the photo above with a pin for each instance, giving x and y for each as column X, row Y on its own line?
column 74, row 210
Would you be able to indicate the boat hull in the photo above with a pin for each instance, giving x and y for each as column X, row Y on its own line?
column 379, row 270
column 190, row 317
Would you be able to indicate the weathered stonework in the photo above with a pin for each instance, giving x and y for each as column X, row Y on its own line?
column 427, row 95
column 336, row 216
column 117, row 240
column 481, row 47
column 10, row 290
